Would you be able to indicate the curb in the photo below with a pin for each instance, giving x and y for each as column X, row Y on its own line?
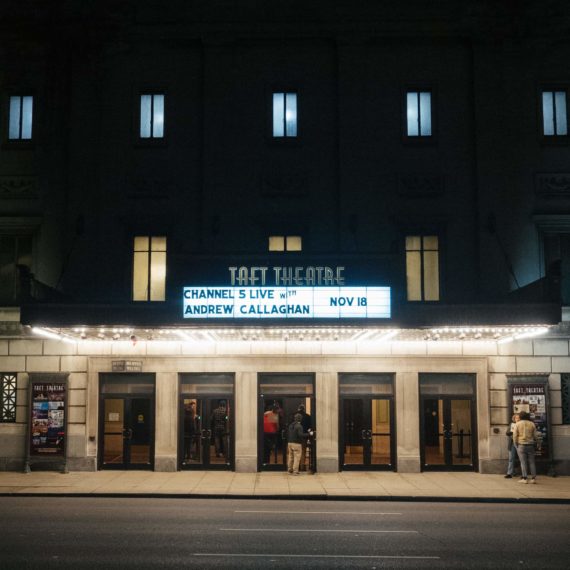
column 347, row 498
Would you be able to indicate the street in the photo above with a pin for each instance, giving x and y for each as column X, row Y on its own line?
column 67, row 532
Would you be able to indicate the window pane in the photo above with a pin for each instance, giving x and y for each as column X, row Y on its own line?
column 294, row 243
column 145, row 116
column 291, row 115
column 278, row 114
column 276, row 243
column 425, row 114
column 158, row 244
column 561, row 122
column 548, row 113
column 27, row 108
column 412, row 105
column 431, row 276
column 430, row 242
column 158, row 276
column 413, row 243
column 14, row 128
column 158, row 123
column 140, row 276
column 141, row 243
column 413, row 276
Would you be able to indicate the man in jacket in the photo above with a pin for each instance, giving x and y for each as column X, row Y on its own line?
column 294, row 441
column 523, row 438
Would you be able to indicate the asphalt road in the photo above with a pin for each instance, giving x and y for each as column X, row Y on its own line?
column 107, row 533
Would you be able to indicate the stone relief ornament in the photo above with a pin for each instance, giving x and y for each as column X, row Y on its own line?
column 19, row 187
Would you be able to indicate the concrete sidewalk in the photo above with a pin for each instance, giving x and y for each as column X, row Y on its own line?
column 345, row 485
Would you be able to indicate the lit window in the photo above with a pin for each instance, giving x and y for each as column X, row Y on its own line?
column 21, row 110
column 149, row 268
column 422, row 268
column 152, row 117
column 285, row 243
column 284, row 115
column 419, row 113
column 554, row 115
column 7, row 397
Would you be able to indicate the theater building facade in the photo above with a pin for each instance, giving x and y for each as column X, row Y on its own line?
column 212, row 215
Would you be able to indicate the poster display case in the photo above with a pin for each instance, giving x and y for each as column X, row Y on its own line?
column 46, row 440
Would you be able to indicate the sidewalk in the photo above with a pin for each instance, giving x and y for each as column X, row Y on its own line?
column 345, row 485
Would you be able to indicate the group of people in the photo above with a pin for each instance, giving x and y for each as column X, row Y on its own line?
column 192, row 429
column 522, row 433
column 295, row 435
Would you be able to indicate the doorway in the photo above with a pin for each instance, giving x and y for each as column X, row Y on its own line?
column 280, row 397
column 367, row 439
column 206, row 412
column 448, row 422
column 126, row 421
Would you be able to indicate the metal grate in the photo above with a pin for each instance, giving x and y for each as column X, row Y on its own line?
column 7, row 397
column 565, row 387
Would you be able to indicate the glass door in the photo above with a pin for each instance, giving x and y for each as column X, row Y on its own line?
column 448, row 423
column 281, row 396
column 206, row 421
column 126, row 421
column 207, row 432
column 127, row 439
column 367, row 437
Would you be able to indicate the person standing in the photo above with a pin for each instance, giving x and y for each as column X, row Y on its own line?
column 523, row 438
column 270, row 432
column 307, row 424
column 512, row 447
column 189, row 429
column 294, row 441
column 219, row 424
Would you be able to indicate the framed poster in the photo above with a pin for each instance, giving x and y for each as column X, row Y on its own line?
column 529, row 393
column 47, row 424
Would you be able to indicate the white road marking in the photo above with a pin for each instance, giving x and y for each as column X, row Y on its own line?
column 317, row 513
column 221, row 554
column 318, row 530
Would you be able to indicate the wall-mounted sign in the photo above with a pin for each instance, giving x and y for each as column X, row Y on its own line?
column 286, row 303
column 529, row 394
column 47, row 428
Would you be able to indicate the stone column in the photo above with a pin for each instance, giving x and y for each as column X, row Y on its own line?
column 246, row 399
column 327, row 422
column 408, row 422
column 166, row 422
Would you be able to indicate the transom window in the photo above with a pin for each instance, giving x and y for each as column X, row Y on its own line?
column 285, row 243
column 422, row 268
column 554, row 114
column 284, row 115
column 152, row 116
column 149, row 268
column 419, row 120
column 7, row 397
column 21, row 114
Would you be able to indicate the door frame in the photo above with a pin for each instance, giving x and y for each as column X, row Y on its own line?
column 447, row 398
column 125, row 466
column 262, row 398
column 201, row 466
column 364, row 467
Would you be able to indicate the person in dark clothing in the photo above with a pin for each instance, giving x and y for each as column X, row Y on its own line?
column 189, row 429
column 307, row 423
column 295, row 438
column 219, row 422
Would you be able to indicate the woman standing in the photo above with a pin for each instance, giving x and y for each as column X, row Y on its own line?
column 512, row 447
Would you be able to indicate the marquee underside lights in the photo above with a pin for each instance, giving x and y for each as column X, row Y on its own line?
column 286, row 303
column 352, row 334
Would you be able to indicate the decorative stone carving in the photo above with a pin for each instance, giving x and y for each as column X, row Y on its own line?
column 283, row 182
column 420, row 185
column 150, row 188
column 553, row 185
column 19, row 188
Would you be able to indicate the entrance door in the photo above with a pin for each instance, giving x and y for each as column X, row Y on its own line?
column 366, row 438
column 207, row 432
column 206, row 420
column 280, row 397
column 448, row 429
column 127, row 441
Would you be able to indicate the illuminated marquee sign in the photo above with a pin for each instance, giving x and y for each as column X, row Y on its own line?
column 286, row 303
